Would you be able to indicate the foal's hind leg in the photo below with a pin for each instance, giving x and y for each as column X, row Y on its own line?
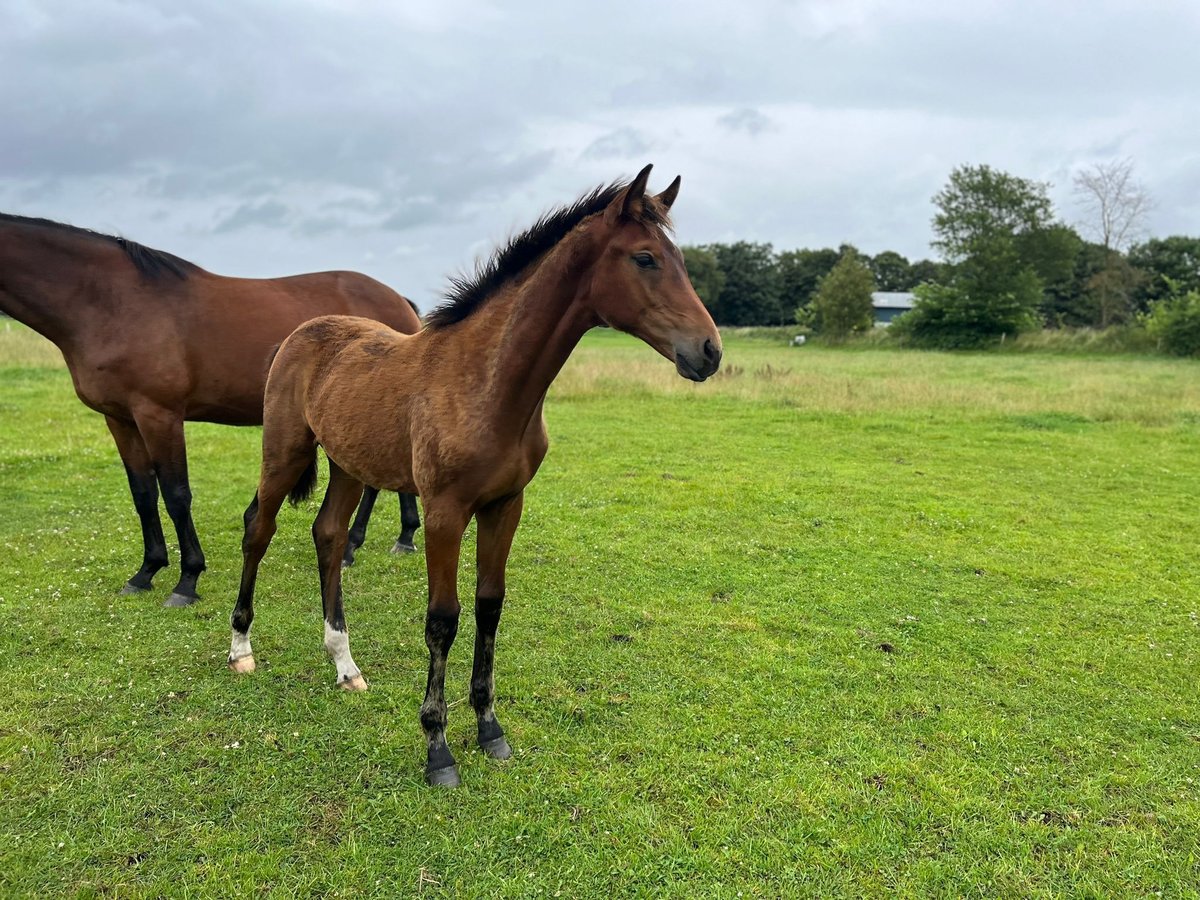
column 497, row 524
column 410, row 521
column 273, row 487
column 329, row 535
column 358, row 531
column 144, row 488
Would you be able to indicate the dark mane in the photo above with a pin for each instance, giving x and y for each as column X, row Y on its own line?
column 150, row 262
column 469, row 292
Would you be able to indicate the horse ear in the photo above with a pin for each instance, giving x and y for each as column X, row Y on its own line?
column 667, row 197
column 628, row 204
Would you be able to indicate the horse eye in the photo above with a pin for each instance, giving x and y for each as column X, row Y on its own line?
column 644, row 260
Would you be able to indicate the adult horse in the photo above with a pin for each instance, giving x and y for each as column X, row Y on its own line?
column 455, row 414
column 152, row 340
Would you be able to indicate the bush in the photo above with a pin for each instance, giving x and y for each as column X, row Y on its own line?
column 948, row 317
column 1175, row 324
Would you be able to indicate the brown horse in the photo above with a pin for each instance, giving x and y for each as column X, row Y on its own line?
column 455, row 414
column 152, row 340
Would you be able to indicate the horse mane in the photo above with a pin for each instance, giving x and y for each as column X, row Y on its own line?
column 150, row 262
column 467, row 293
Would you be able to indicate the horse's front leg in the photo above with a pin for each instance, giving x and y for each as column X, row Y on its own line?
column 162, row 431
column 497, row 523
column 144, row 488
column 444, row 524
column 410, row 521
column 358, row 531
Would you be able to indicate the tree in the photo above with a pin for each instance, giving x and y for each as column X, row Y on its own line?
column 750, row 294
column 923, row 270
column 843, row 301
column 892, row 271
column 1164, row 262
column 800, row 271
column 987, row 223
column 1114, row 202
column 705, row 274
column 982, row 205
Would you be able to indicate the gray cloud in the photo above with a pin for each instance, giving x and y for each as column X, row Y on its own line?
column 751, row 121
column 342, row 135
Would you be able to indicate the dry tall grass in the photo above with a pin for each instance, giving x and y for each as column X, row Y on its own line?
column 21, row 347
column 1146, row 390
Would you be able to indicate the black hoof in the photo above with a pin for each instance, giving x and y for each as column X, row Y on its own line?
column 131, row 588
column 447, row 777
column 497, row 748
column 176, row 601
column 400, row 549
column 347, row 562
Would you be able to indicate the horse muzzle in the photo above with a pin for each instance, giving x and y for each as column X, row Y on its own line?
column 697, row 363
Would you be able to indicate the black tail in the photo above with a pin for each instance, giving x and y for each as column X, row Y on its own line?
column 303, row 488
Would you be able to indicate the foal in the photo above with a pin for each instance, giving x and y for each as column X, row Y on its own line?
column 454, row 413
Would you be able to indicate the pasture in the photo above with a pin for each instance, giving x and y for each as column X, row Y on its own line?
column 835, row 622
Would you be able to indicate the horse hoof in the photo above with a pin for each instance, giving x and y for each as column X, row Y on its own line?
column 400, row 549
column 176, row 601
column 497, row 748
column 131, row 588
column 242, row 666
column 347, row 562
column 447, row 777
column 357, row 683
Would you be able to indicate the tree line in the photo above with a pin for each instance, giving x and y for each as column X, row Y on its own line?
column 1008, row 264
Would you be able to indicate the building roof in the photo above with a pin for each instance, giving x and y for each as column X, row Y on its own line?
column 892, row 299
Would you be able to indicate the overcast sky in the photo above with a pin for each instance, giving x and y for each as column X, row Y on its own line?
column 404, row 139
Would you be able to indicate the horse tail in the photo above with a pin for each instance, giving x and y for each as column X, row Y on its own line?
column 307, row 483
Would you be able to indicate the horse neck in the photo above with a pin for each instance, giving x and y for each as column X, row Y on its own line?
column 41, row 275
column 525, row 335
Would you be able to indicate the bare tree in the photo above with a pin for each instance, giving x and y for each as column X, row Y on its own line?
column 1116, row 203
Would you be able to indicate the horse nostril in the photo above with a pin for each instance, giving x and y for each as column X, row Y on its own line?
column 710, row 352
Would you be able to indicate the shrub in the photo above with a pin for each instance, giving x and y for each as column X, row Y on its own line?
column 1175, row 324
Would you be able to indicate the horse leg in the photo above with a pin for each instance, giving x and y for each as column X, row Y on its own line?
column 444, row 524
column 497, row 523
column 144, row 488
column 358, row 531
column 259, row 521
column 162, row 431
column 410, row 521
column 329, row 536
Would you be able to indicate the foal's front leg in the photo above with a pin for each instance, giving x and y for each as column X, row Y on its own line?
column 497, row 524
column 445, row 524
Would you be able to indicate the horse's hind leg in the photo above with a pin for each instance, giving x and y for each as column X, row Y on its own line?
column 162, row 431
column 144, row 488
column 276, row 481
column 410, row 521
column 329, row 536
column 358, row 531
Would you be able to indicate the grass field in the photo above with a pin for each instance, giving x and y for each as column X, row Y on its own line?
column 858, row 623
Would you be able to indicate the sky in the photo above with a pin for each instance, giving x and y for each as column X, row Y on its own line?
column 405, row 140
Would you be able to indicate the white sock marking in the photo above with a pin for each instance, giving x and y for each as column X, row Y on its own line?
column 239, row 646
column 338, row 645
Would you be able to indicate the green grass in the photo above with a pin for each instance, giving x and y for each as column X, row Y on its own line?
column 835, row 623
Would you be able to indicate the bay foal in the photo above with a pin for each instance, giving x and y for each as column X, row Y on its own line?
column 152, row 340
column 455, row 414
